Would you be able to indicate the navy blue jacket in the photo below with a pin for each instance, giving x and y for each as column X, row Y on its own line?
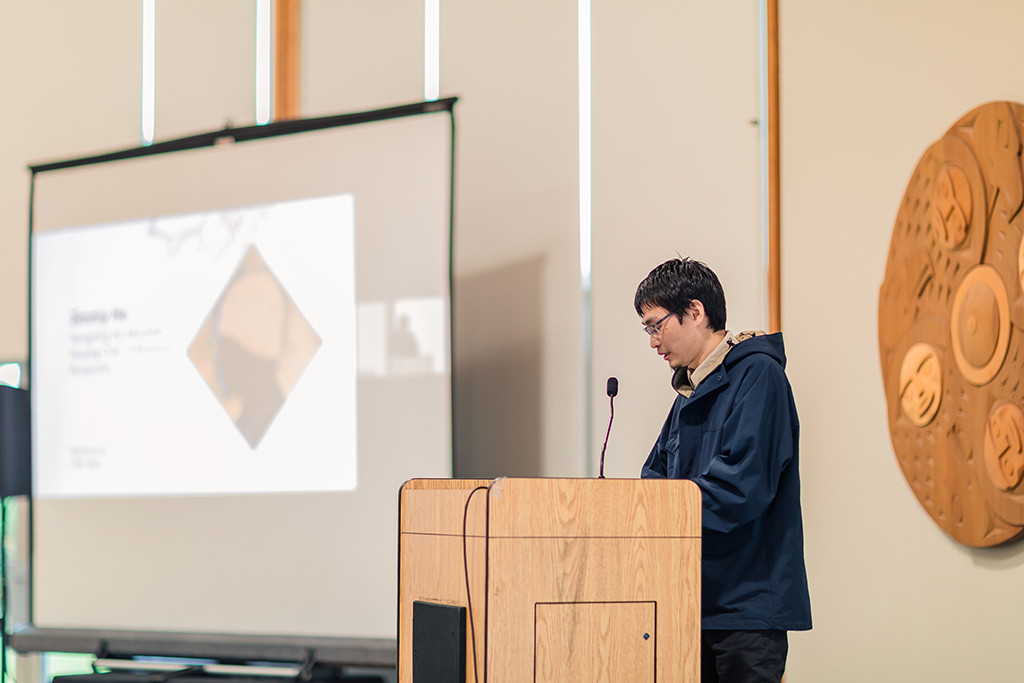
column 737, row 437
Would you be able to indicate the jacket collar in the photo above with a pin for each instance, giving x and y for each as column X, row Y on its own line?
column 686, row 381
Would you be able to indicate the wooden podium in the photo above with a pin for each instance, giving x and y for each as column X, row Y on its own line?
column 570, row 580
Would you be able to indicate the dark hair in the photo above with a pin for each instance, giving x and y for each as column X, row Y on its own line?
column 675, row 284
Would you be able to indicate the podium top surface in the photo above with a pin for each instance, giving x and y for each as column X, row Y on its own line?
column 510, row 507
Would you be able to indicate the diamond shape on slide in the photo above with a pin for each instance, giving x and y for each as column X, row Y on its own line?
column 253, row 347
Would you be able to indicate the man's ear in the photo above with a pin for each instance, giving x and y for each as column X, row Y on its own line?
column 696, row 312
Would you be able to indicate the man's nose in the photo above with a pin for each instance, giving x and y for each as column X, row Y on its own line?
column 654, row 341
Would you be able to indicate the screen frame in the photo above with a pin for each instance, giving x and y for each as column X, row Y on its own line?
column 306, row 650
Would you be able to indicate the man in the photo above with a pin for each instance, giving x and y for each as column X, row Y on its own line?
column 733, row 430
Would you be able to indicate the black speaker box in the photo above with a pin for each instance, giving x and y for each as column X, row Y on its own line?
column 438, row 643
column 15, row 443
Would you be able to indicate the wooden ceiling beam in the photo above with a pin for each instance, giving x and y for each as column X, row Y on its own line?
column 287, row 49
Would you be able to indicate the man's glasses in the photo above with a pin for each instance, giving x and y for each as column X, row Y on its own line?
column 655, row 329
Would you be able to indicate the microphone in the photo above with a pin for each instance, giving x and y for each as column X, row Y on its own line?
column 613, row 390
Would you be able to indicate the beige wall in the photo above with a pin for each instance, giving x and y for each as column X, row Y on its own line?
column 71, row 84
column 205, row 66
column 513, row 66
column 676, row 171
column 866, row 87
column 360, row 55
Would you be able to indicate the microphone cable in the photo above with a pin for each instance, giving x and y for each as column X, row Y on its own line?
column 465, row 565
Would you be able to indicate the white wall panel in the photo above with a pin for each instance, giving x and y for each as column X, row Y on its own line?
column 513, row 65
column 360, row 55
column 205, row 66
column 72, row 86
column 676, row 172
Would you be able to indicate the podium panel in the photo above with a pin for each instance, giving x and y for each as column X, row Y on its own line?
column 594, row 642
column 569, row 579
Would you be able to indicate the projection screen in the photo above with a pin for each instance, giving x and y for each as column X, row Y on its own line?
column 240, row 349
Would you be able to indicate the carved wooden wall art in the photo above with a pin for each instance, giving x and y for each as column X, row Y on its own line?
column 951, row 328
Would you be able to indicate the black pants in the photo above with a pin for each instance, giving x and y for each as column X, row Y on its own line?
column 743, row 656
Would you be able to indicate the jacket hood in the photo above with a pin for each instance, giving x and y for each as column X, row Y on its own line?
column 769, row 344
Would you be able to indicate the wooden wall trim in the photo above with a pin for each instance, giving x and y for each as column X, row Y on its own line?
column 287, row 44
column 774, row 215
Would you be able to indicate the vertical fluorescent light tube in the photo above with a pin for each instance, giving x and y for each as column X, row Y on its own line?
column 431, row 49
column 586, row 222
column 264, row 53
column 763, row 127
column 585, row 143
column 148, row 70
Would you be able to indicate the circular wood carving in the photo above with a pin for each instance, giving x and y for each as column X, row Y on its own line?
column 950, row 328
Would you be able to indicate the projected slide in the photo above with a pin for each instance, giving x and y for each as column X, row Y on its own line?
column 198, row 354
